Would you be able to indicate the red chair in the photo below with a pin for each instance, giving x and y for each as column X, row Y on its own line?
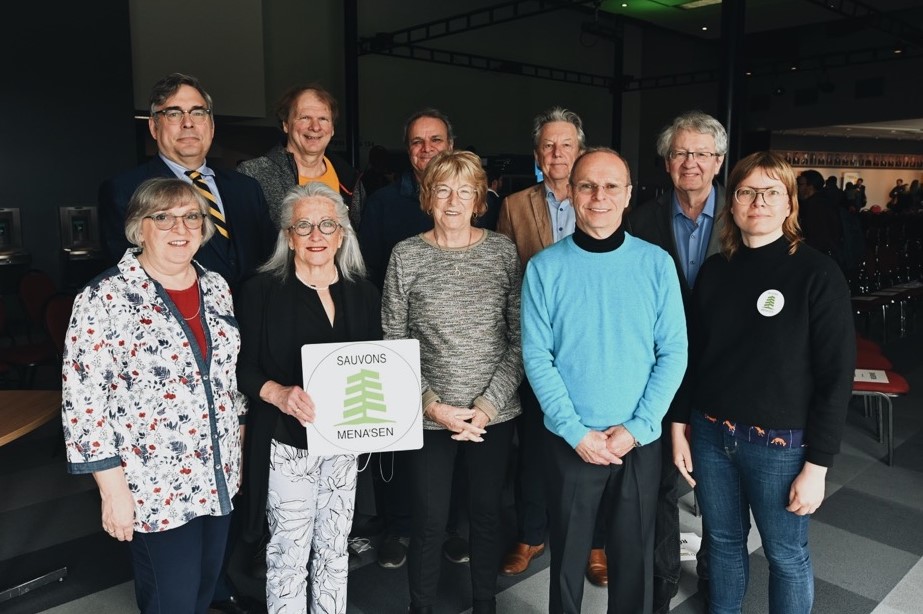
column 57, row 319
column 25, row 357
column 866, row 359
column 882, row 392
column 866, row 344
column 35, row 288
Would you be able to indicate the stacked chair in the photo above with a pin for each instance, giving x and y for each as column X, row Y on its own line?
column 890, row 275
column 877, row 394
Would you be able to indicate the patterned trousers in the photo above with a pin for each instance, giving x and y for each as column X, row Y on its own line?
column 310, row 514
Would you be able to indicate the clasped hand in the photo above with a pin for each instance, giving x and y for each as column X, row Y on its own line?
column 467, row 423
column 606, row 447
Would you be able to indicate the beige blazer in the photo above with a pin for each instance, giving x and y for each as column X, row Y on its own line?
column 525, row 219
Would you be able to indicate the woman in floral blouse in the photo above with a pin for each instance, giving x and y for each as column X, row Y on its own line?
column 150, row 400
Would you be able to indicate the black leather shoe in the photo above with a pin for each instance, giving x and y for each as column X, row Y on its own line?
column 231, row 605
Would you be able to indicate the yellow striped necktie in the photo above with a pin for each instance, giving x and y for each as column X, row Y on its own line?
column 220, row 224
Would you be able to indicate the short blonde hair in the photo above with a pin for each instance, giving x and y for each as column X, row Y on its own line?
column 159, row 194
column 776, row 167
column 462, row 165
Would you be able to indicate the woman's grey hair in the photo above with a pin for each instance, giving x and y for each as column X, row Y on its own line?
column 161, row 194
column 694, row 121
column 281, row 263
column 557, row 114
column 169, row 85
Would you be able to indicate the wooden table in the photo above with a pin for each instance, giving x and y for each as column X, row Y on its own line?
column 21, row 412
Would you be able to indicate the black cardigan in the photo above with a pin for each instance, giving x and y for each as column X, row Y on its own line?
column 266, row 313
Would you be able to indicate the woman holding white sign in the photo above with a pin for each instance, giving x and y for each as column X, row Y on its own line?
column 456, row 290
column 311, row 290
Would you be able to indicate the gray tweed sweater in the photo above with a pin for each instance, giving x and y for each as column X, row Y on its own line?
column 462, row 305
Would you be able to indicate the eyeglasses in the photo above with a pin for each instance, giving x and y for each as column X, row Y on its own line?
column 465, row 193
column 588, row 189
column 174, row 115
column 698, row 156
column 166, row 221
column 303, row 228
column 772, row 197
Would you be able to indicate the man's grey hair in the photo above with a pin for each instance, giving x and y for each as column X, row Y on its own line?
column 557, row 114
column 282, row 262
column 693, row 121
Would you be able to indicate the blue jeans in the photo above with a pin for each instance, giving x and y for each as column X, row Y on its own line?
column 734, row 477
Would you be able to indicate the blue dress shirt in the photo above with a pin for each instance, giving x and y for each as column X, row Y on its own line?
column 563, row 219
column 692, row 236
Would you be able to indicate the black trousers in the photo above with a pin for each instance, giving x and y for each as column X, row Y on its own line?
column 531, row 504
column 666, row 528
column 531, row 509
column 628, row 493
column 431, row 471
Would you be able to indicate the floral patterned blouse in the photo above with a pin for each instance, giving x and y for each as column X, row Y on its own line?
column 138, row 393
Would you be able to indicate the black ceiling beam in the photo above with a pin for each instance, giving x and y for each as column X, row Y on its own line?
column 464, row 22
column 524, row 69
column 481, row 62
column 874, row 18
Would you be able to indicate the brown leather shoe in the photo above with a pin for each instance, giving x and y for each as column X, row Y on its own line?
column 518, row 558
column 597, row 568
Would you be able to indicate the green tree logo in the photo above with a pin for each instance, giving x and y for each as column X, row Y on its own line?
column 770, row 303
column 364, row 399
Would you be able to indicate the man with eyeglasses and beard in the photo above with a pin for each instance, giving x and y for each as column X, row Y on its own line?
column 183, row 125
column 684, row 222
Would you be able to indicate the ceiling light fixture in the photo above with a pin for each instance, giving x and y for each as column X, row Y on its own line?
column 697, row 4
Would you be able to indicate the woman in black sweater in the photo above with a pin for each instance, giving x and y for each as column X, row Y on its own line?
column 773, row 352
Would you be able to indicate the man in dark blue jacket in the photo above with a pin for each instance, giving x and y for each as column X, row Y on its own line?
column 183, row 125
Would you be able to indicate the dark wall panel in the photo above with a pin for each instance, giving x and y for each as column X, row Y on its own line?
column 65, row 113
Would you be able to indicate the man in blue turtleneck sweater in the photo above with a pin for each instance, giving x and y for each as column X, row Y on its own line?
column 604, row 346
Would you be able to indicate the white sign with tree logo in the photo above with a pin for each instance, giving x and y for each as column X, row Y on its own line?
column 366, row 396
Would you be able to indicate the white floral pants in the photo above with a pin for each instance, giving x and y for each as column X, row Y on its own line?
column 310, row 513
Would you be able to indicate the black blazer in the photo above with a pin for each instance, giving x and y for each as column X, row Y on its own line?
column 253, row 235
column 653, row 222
column 266, row 314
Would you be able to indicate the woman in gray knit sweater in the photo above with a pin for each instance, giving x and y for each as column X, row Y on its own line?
column 456, row 289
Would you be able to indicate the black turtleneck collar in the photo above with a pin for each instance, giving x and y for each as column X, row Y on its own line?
column 598, row 246
column 778, row 247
